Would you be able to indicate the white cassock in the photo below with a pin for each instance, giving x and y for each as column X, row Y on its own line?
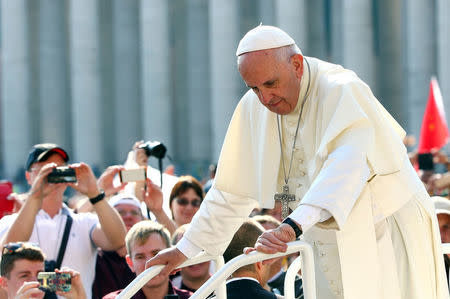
column 359, row 201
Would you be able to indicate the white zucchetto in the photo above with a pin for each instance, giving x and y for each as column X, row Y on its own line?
column 263, row 38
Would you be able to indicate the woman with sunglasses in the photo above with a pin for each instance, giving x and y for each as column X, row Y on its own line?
column 185, row 199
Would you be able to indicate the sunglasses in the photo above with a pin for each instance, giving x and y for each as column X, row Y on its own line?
column 11, row 248
column 184, row 202
column 133, row 213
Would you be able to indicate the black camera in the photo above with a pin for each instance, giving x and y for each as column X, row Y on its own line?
column 62, row 174
column 154, row 148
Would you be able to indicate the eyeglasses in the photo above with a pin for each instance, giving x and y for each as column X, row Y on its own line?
column 14, row 247
column 184, row 202
column 133, row 213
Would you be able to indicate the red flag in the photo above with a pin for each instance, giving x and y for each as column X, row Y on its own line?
column 434, row 132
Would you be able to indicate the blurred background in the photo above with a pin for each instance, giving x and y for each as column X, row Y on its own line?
column 94, row 76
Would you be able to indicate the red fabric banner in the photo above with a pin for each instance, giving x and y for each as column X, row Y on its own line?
column 434, row 132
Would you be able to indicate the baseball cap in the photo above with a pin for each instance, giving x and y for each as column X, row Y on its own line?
column 441, row 205
column 41, row 152
column 123, row 198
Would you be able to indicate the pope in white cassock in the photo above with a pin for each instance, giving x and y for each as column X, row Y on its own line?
column 312, row 134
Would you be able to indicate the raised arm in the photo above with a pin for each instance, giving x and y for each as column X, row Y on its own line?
column 110, row 234
column 22, row 227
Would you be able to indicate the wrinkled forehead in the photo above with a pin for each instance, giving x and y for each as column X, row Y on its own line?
column 257, row 57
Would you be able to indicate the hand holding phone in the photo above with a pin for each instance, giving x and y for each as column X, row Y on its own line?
column 54, row 281
column 133, row 175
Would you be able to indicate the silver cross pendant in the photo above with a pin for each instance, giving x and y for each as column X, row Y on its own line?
column 284, row 198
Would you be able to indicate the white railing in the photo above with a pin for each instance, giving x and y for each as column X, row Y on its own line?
column 217, row 281
column 306, row 260
column 151, row 272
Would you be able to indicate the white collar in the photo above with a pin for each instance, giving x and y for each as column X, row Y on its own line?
column 242, row 278
column 64, row 210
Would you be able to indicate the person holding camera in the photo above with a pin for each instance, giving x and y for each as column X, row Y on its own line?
column 66, row 238
column 21, row 265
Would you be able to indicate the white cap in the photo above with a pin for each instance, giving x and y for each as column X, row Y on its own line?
column 441, row 205
column 263, row 38
column 123, row 198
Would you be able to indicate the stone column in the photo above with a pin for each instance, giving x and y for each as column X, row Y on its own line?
column 225, row 79
column 198, row 82
column 317, row 37
column 352, row 37
column 15, row 86
column 389, row 63
column 291, row 17
column 85, row 79
column 126, row 75
column 157, row 116
column 419, row 58
column 54, row 98
column 443, row 49
column 266, row 12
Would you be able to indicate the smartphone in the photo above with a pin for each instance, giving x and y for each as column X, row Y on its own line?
column 133, row 175
column 54, row 282
column 6, row 205
column 62, row 174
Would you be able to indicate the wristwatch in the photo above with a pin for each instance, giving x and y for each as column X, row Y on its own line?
column 99, row 197
column 291, row 223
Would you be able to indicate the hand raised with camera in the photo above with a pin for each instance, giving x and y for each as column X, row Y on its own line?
column 141, row 156
column 153, row 196
column 105, row 181
column 86, row 180
column 29, row 289
column 77, row 289
column 41, row 188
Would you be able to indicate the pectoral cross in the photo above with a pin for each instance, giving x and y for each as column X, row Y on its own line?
column 284, row 198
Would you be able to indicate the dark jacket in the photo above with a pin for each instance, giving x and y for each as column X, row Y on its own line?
column 277, row 285
column 182, row 294
column 111, row 273
column 247, row 288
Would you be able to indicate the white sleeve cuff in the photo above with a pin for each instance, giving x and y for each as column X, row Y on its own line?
column 307, row 216
column 188, row 248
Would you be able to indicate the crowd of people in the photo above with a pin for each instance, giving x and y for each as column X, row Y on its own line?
column 352, row 194
column 102, row 236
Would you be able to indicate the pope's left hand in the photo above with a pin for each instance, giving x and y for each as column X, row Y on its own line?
column 273, row 240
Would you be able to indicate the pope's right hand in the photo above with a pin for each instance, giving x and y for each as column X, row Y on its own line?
column 171, row 258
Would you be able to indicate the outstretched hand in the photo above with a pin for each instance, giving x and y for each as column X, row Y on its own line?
column 106, row 180
column 152, row 196
column 171, row 258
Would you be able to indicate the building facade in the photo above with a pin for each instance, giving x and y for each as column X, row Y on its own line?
column 96, row 75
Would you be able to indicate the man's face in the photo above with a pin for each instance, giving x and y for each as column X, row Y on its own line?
column 23, row 271
column 444, row 227
column 142, row 253
column 276, row 81
column 130, row 214
column 36, row 167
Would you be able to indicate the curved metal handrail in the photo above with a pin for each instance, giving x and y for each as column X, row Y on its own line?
column 151, row 272
column 309, row 282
